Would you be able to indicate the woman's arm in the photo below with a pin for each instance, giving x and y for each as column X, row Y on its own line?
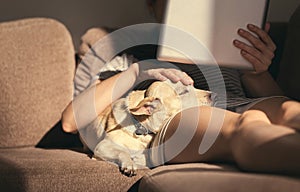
column 258, row 83
column 80, row 111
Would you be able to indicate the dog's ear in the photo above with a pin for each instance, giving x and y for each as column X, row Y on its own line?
column 146, row 107
column 135, row 97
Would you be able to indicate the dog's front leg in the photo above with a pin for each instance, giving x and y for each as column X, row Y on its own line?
column 110, row 151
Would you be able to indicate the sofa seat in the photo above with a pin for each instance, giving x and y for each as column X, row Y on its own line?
column 195, row 177
column 36, row 169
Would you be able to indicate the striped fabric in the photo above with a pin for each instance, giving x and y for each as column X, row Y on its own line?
column 227, row 85
column 223, row 81
column 233, row 95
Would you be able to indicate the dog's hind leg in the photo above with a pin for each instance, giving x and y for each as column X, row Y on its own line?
column 110, row 151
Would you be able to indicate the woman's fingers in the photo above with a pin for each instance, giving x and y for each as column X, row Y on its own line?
column 176, row 75
column 153, row 69
column 263, row 35
column 267, row 27
column 184, row 78
column 260, row 51
column 173, row 75
column 259, row 60
column 266, row 45
column 258, row 65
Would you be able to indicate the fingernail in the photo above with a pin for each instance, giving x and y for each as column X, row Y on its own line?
column 189, row 82
column 243, row 52
column 251, row 26
column 241, row 31
column 236, row 42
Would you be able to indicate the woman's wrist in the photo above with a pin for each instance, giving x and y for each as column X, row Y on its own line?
column 252, row 74
column 134, row 69
column 133, row 72
column 137, row 73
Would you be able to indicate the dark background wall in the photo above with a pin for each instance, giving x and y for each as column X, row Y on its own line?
column 79, row 15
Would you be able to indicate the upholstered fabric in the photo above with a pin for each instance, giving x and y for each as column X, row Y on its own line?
column 213, row 178
column 37, row 69
column 33, row 169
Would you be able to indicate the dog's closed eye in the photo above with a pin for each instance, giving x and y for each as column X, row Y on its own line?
column 182, row 92
column 146, row 107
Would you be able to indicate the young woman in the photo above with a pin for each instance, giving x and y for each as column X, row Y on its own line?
column 257, row 134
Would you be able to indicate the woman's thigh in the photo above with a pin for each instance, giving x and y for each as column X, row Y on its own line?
column 280, row 110
column 199, row 134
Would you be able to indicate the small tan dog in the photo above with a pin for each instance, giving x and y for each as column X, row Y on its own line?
column 127, row 127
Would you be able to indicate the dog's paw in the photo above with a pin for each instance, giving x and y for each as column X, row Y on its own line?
column 128, row 168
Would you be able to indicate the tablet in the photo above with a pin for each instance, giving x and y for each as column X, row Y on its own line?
column 202, row 31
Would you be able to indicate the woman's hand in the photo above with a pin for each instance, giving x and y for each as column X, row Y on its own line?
column 160, row 71
column 261, row 51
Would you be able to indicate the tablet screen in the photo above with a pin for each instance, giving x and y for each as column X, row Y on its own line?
column 213, row 25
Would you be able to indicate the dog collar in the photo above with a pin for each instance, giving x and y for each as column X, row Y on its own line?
column 139, row 128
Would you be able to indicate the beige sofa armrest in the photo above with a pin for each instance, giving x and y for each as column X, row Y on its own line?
column 37, row 69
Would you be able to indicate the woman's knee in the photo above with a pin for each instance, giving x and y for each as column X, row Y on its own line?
column 246, row 138
column 252, row 116
column 259, row 146
column 291, row 114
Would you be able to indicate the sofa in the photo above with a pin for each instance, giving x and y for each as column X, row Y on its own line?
column 37, row 69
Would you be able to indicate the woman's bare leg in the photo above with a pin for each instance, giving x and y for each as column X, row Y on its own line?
column 250, row 139
column 259, row 145
column 266, row 138
column 281, row 111
column 219, row 151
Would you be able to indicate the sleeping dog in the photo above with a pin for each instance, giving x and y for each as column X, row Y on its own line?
column 126, row 128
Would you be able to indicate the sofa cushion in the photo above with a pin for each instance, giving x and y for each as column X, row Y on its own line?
column 34, row 169
column 200, row 177
column 37, row 68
